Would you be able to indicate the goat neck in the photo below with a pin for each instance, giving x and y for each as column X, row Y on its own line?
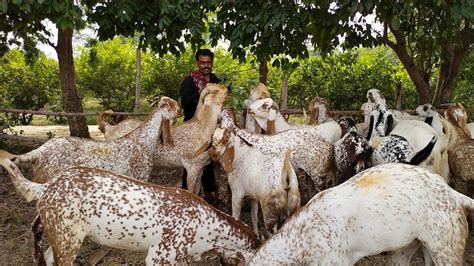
column 147, row 134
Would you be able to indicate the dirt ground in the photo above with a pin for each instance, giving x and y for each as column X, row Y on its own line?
column 16, row 239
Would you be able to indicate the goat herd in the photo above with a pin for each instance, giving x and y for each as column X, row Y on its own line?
column 402, row 201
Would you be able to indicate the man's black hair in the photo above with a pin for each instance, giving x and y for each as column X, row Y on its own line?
column 204, row 52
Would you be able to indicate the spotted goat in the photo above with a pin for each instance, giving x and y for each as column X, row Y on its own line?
column 461, row 148
column 309, row 150
column 272, row 121
column 131, row 155
column 393, row 207
column 193, row 138
column 268, row 179
column 173, row 225
column 351, row 153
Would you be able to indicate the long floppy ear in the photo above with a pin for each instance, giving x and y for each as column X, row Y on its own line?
column 258, row 129
column 371, row 126
column 199, row 151
column 166, row 132
column 389, row 125
column 271, row 127
column 314, row 116
column 228, row 159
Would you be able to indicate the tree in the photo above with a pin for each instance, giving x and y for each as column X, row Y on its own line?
column 424, row 34
column 427, row 36
column 27, row 84
column 26, row 21
column 107, row 71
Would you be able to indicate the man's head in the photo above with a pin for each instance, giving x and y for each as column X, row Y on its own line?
column 204, row 61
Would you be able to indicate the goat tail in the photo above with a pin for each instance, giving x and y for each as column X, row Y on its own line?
column 29, row 190
column 465, row 201
column 290, row 183
column 286, row 171
column 424, row 153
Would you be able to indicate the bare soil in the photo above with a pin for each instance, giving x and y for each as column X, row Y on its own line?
column 16, row 239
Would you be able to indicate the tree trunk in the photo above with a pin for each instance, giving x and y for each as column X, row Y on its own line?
column 398, row 96
column 284, row 95
column 71, row 99
column 453, row 56
column 263, row 70
column 137, row 81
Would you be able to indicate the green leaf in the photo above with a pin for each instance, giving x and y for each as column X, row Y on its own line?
column 395, row 23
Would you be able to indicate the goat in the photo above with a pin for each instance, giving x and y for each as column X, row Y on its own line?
column 351, row 153
column 461, row 149
column 363, row 128
column 375, row 97
column 113, row 132
column 310, row 152
column 391, row 207
column 272, row 121
column 322, row 118
column 470, row 127
column 193, row 138
column 267, row 179
column 120, row 212
column 407, row 141
column 429, row 115
column 247, row 121
column 131, row 155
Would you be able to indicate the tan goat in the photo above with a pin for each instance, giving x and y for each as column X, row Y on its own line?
column 112, row 132
column 193, row 138
column 461, row 148
column 131, row 155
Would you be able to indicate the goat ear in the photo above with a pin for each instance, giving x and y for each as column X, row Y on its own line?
column 228, row 159
column 258, row 129
column 314, row 116
column 389, row 125
column 371, row 126
column 271, row 127
column 166, row 132
column 199, row 151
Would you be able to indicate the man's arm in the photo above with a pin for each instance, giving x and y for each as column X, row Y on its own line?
column 189, row 97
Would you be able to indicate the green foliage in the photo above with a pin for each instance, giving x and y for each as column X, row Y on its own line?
column 27, row 86
column 164, row 26
column 465, row 86
column 106, row 71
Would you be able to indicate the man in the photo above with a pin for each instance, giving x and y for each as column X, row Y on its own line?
column 190, row 88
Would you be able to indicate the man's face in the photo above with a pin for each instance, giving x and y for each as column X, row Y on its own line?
column 204, row 64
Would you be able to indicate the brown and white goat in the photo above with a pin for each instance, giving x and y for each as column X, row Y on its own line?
column 112, row 132
column 193, row 138
column 268, row 179
column 272, row 121
column 113, row 210
column 391, row 207
column 248, row 121
column 461, row 148
column 131, row 155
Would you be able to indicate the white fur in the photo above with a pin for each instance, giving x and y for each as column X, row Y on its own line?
column 392, row 207
column 265, row 178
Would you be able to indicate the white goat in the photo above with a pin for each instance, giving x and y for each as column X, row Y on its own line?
column 267, row 179
column 131, row 155
column 193, row 138
column 310, row 152
column 470, row 127
column 120, row 212
column 408, row 141
column 272, row 121
column 429, row 115
column 392, row 207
